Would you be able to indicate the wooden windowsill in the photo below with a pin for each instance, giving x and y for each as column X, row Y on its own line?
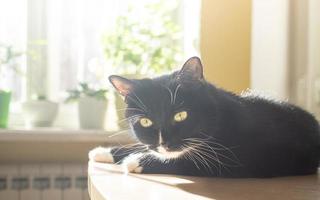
column 54, row 145
column 108, row 182
column 62, row 135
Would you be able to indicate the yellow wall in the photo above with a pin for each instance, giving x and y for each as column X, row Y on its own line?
column 225, row 42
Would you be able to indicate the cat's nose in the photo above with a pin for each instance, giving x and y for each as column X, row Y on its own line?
column 168, row 146
column 164, row 145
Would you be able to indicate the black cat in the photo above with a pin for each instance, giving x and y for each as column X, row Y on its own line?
column 187, row 126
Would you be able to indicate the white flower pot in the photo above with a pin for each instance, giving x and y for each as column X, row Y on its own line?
column 40, row 113
column 92, row 113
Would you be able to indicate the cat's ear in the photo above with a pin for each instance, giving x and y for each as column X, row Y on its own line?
column 122, row 85
column 192, row 70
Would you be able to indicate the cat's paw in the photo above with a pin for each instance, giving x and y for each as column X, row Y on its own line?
column 101, row 154
column 131, row 164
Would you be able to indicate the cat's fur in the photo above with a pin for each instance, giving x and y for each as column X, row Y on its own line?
column 224, row 134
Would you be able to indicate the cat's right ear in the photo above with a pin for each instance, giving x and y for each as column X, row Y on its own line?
column 192, row 70
column 122, row 85
column 191, row 73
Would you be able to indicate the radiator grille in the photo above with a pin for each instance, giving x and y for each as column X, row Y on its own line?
column 43, row 182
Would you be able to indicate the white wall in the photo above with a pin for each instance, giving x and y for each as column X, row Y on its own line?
column 313, row 59
column 269, row 47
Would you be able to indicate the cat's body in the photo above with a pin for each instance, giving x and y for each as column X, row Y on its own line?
column 190, row 127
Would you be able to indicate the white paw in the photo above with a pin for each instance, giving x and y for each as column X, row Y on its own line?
column 131, row 164
column 101, row 154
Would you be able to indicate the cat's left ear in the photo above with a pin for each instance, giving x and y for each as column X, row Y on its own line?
column 122, row 85
column 192, row 70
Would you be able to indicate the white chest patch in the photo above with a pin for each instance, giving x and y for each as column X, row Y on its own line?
column 160, row 138
column 164, row 154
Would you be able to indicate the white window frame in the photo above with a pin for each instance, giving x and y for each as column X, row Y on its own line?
column 44, row 81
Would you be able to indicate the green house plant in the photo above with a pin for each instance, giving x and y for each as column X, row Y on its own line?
column 8, row 62
column 5, row 97
column 148, row 45
column 92, row 105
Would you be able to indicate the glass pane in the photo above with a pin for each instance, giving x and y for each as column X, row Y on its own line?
column 13, row 31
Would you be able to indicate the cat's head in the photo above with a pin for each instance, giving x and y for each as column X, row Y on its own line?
column 166, row 111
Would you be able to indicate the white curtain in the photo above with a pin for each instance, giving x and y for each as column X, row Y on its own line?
column 71, row 50
column 13, row 26
column 74, row 35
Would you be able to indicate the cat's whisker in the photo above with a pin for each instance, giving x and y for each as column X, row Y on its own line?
column 219, row 154
column 118, row 133
column 208, row 136
column 215, row 157
column 236, row 163
column 131, row 117
column 207, row 147
column 202, row 143
column 144, row 106
column 189, row 156
column 170, row 92
column 130, row 150
column 175, row 93
column 194, row 157
column 136, row 109
column 206, row 152
column 226, row 148
column 128, row 146
column 180, row 104
column 216, row 140
column 152, row 158
column 131, row 145
column 211, row 158
column 137, row 103
column 217, row 144
column 145, row 161
column 137, row 115
column 202, row 159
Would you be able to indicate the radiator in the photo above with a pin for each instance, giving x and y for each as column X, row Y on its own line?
column 43, row 182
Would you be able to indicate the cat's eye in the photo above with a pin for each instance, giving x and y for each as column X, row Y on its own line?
column 180, row 116
column 145, row 122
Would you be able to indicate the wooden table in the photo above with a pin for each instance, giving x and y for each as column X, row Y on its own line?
column 108, row 182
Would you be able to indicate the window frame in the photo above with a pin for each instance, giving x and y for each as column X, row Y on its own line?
column 43, row 80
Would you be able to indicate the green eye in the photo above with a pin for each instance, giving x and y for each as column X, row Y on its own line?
column 180, row 116
column 145, row 122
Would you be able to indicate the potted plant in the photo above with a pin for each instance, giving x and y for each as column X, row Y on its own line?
column 92, row 105
column 138, row 46
column 40, row 112
column 5, row 97
column 8, row 64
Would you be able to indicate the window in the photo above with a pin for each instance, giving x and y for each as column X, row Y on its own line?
column 65, row 42
column 13, row 29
